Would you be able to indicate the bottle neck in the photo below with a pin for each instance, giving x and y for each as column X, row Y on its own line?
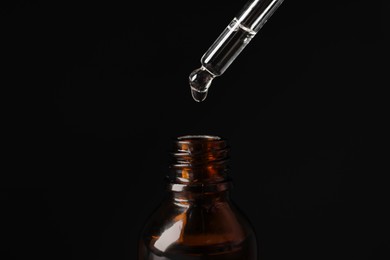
column 200, row 165
column 188, row 198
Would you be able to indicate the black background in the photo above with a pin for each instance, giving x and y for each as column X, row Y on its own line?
column 102, row 88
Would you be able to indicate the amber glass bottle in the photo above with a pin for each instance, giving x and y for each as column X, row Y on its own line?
column 198, row 220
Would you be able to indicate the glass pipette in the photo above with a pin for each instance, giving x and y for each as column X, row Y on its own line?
column 229, row 44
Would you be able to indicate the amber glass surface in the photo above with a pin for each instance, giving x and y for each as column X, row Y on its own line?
column 198, row 220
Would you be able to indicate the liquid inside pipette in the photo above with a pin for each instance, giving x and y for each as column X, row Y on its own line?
column 219, row 57
column 229, row 45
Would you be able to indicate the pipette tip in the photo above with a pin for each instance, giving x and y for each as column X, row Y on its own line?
column 200, row 81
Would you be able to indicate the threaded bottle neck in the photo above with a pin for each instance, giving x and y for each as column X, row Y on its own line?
column 199, row 160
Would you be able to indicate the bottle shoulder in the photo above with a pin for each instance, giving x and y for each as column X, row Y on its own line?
column 196, row 225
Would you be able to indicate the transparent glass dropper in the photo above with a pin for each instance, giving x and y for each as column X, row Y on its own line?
column 229, row 44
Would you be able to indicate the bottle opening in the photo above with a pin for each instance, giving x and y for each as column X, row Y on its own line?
column 198, row 144
column 198, row 138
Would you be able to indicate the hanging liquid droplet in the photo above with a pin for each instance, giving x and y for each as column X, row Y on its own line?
column 200, row 81
column 198, row 96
